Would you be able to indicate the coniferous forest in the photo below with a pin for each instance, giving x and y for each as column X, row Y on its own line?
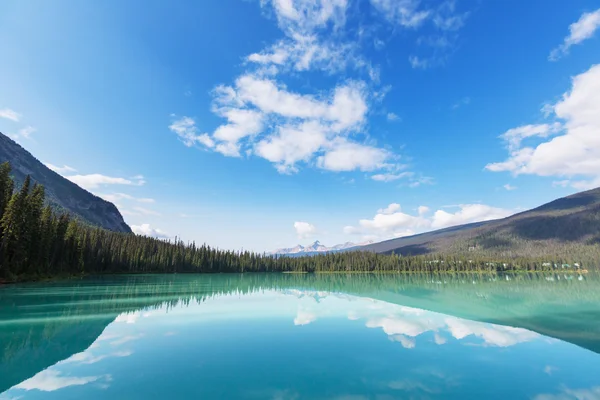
column 37, row 242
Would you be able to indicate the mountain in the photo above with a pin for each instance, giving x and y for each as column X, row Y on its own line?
column 317, row 248
column 569, row 225
column 61, row 193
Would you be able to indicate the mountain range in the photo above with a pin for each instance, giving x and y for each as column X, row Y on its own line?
column 563, row 227
column 317, row 248
column 569, row 225
column 61, row 193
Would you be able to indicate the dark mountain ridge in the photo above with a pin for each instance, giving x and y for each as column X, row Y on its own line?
column 61, row 193
column 568, row 224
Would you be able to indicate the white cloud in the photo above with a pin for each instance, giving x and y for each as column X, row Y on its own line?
column 509, row 187
column 145, row 211
column 23, row 133
column 50, row 380
column 566, row 393
column 390, row 222
column 308, row 15
column 493, row 335
column 392, row 117
column 402, row 12
column 406, row 342
column 418, row 62
column 579, row 31
column 468, row 213
column 573, row 153
column 303, row 128
column 447, row 19
column 439, row 339
column 392, row 208
column 291, row 128
column 60, row 170
column 465, row 101
column 116, row 197
column 10, row 114
column 348, row 156
column 94, row 181
column 187, row 131
column 293, row 144
column 304, row 318
column 390, row 176
column 147, row 230
column 304, row 230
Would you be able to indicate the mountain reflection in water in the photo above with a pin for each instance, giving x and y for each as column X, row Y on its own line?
column 323, row 332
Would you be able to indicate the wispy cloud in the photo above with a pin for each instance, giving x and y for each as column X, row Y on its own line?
column 579, row 31
column 392, row 117
column 94, row 181
column 61, row 170
column 145, row 211
column 12, row 115
column 465, row 101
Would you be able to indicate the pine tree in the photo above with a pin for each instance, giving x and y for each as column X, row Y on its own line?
column 13, row 248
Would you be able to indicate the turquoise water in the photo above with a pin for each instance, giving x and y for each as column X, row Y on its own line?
column 284, row 336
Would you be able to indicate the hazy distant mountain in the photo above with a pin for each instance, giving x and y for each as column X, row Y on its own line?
column 61, row 193
column 563, row 226
column 317, row 248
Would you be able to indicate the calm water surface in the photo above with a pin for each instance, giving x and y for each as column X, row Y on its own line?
column 289, row 336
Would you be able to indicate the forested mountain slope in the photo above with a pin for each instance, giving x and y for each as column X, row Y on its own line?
column 565, row 226
column 61, row 193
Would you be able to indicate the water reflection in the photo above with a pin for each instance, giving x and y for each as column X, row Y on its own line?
column 291, row 337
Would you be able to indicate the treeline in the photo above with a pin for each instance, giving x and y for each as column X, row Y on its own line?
column 37, row 242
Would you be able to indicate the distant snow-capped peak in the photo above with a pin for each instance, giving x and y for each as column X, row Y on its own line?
column 317, row 247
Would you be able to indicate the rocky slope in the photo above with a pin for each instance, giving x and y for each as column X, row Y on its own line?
column 61, row 194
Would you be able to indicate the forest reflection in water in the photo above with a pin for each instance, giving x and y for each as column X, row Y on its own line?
column 301, row 336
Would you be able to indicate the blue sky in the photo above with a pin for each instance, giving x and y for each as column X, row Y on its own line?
column 262, row 124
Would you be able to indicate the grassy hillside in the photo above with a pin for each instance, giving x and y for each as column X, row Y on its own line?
column 61, row 194
column 567, row 226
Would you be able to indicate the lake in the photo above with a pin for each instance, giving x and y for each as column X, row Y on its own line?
column 302, row 336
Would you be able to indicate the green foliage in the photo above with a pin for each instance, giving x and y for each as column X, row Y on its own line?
column 36, row 242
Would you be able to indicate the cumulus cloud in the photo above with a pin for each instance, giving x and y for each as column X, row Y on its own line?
column 573, row 152
column 10, row 114
column 579, row 31
column 509, row 187
column 304, row 230
column 94, row 181
column 466, row 214
column 390, row 222
column 292, row 128
column 147, row 230
column 288, row 128
column 392, row 208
